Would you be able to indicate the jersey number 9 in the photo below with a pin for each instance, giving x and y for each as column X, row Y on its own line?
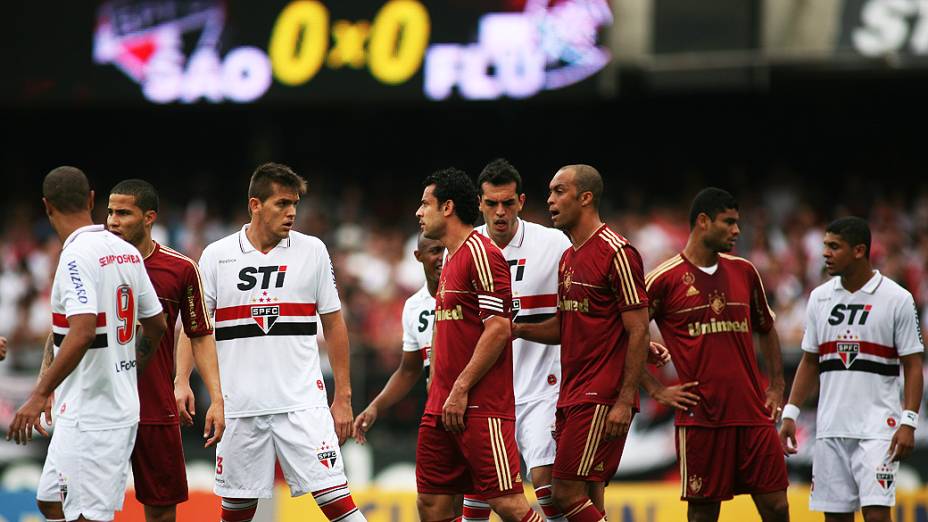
column 125, row 312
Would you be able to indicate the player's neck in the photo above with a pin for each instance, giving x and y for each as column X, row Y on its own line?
column 262, row 241
column 432, row 286
column 455, row 235
column 586, row 226
column 698, row 254
column 146, row 246
column 855, row 278
column 66, row 224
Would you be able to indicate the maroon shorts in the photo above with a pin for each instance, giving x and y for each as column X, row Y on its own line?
column 583, row 453
column 483, row 460
column 158, row 466
column 718, row 463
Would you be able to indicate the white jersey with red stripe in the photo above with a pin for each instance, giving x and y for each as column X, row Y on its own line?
column 859, row 338
column 101, row 274
column 418, row 323
column 533, row 255
column 266, row 309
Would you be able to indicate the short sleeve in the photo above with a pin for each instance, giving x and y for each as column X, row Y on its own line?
column 656, row 290
column 907, row 335
column 491, row 275
column 810, row 340
column 78, row 284
column 149, row 305
column 208, row 278
column 762, row 316
column 626, row 277
column 326, row 293
column 194, row 316
column 410, row 323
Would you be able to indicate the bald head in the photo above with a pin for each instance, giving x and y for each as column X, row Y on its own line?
column 587, row 179
column 67, row 189
column 424, row 243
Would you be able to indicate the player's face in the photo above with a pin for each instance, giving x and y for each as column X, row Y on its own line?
column 276, row 214
column 563, row 200
column 431, row 217
column 839, row 254
column 500, row 206
column 125, row 219
column 431, row 254
column 723, row 231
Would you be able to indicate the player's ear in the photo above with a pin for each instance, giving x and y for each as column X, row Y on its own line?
column 447, row 208
column 254, row 204
column 149, row 217
column 90, row 201
column 521, row 201
column 860, row 251
column 417, row 254
column 48, row 207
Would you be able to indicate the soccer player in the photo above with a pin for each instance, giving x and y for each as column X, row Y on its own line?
column 860, row 328
column 532, row 252
column 99, row 295
column 418, row 319
column 707, row 304
column 270, row 288
column 158, row 458
column 467, row 436
column 602, row 325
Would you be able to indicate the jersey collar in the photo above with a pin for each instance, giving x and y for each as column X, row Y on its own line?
column 246, row 245
column 520, row 234
column 73, row 236
column 870, row 287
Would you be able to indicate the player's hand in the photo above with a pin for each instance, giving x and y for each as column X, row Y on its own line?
column 186, row 402
column 215, row 423
column 774, row 403
column 343, row 417
column 618, row 420
column 658, row 354
column 26, row 418
column 364, row 422
column 677, row 396
column 48, row 409
column 452, row 413
column 788, row 437
column 903, row 443
column 2, row 348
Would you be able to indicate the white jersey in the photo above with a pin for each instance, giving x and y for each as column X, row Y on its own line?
column 101, row 274
column 418, row 321
column 266, row 309
column 533, row 255
column 859, row 338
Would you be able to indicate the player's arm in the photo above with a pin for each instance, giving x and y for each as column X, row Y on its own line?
column 397, row 387
column 904, row 439
column 81, row 333
column 544, row 332
column 336, row 339
column 183, row 393
column 149, row 336
column 619, row 418
column 804, row 384
column 202, row 350
column 496, row 333
column 48, row 355
column 770, row 347
column 2, row 348
column 676, row 396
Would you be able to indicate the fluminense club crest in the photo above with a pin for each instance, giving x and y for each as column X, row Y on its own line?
column 717, row 302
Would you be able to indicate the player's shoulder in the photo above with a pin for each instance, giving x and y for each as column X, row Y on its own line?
column 175, row 258
column 301, row 240
column 225, row 245
column 481, row 247
column 664, row 270
column 549, row 235
column 418, row 300
column 738, row 262
column 890, row 289
column 822, row 292
column 611, row 243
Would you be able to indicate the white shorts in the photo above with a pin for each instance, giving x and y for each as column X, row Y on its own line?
column 850, row 473
column 87, row 471
column 534, row 427
column 304, row 442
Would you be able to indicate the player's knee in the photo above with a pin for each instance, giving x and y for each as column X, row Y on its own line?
column 564, row 497
column 776, row 511
column 160, row 513
column 50, row 510
column 703, row 512
column 876, row 514
column 509, row 507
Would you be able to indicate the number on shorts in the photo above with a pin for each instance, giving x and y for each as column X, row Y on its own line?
column 125, row 312
column 219, row 465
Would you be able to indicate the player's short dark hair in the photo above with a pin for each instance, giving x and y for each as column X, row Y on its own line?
column 499, row 172
column 146, row 197
column 852, row 229
column 264, row 177
column 711, row 201
column 453, row 184
column 67, row 189
column 587, row 179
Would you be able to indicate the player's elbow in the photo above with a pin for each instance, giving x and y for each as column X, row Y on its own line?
column 154, row 327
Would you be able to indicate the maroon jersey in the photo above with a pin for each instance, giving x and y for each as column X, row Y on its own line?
column 474, row 286
column 596, row 283
column 707, row 322
column 176, row 279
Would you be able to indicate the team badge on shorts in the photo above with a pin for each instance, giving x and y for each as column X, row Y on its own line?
column 848, row 352
column 885, row 475
column 265, row 316
column 326, row 455
column 695, row 484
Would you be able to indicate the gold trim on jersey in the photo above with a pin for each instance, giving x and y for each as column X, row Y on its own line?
column 759, row 279
column 670, row 264
column 196, row 270
column 500, row 457
column 593, row 437
column 681, row 446
column 620, row 260
column 700, row 307
column 479, row 253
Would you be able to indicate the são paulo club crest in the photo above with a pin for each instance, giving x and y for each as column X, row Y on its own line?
column 885, row 475
column 327, row 455
column 265, row 316
column 848, row 352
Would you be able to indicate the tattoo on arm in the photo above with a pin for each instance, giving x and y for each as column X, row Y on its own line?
column 143, row 351
column 48, row 355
